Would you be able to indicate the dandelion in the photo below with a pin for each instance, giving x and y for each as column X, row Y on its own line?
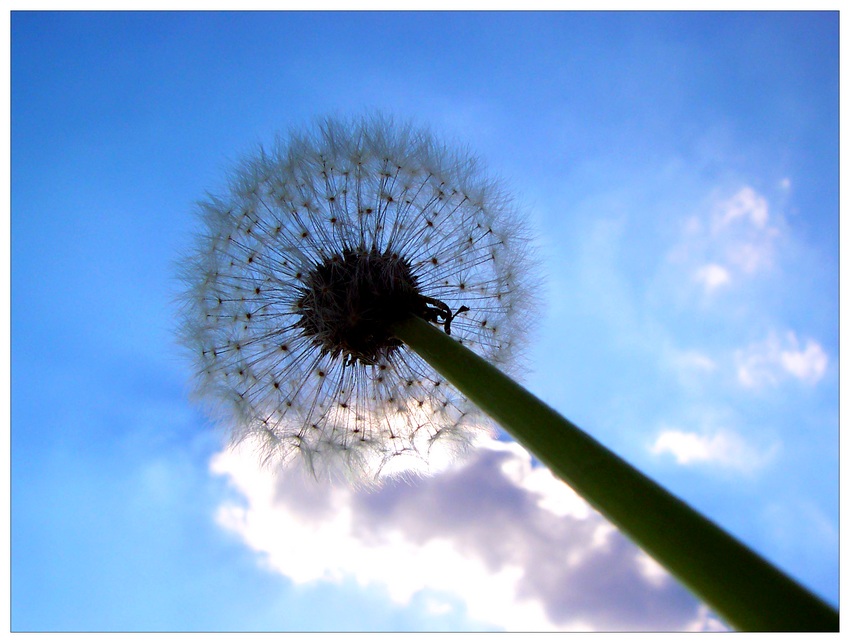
column 320, row 247
column 350, row 301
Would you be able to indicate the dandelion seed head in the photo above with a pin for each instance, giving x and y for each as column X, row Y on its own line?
column 316, row 249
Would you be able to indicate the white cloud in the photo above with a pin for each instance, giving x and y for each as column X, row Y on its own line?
column 732, row 238
column 706, row 622
column 807, row 365
column 723, row 448
column 773, row 360
column 745, row 204
column 506, row 540
column 741, row 232
column 712, row 276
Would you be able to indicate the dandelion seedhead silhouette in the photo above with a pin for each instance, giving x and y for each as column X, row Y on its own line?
column 316, row 250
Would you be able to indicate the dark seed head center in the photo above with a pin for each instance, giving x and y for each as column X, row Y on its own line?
column 349, row 303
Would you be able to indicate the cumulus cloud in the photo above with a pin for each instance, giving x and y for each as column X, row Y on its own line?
column 512, row 544
column 777, row 358
column 712, row 276
column 733, row 237
column 746, row 204
column 721, row 447
column 808, row 364
column 742, row 235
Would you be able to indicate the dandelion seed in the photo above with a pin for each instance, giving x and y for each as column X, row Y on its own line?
column 318, row 248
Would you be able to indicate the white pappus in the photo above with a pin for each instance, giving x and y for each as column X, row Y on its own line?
column 317, row 247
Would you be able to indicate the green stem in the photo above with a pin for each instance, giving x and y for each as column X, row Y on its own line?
column 741, row 586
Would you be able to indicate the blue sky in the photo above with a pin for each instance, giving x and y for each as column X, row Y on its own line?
column 681, row 174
